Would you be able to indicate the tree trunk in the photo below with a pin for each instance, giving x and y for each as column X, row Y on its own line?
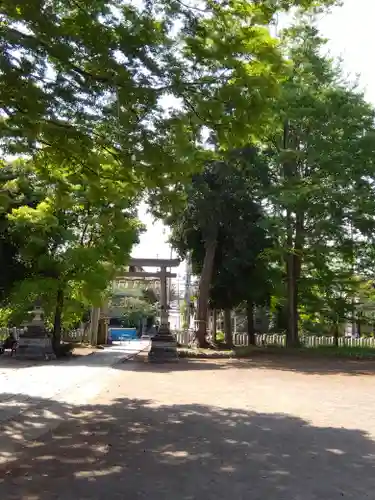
column 214, row 325
column 250, row 322
column 336, row 334
column 293, row 265
column 294, row 234
column 359, row 327
column 353, row 319
column 57, row 323
column 94, row 325
column 297, row 264
column 228, row 334
column 204, row 291
column 289, row 172
column 281, row 318
column 292, row 331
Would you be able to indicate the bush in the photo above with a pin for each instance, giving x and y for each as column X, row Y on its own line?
column 220, row 337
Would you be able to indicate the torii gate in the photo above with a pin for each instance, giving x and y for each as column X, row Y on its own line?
column 163, row 345
column 163, row 274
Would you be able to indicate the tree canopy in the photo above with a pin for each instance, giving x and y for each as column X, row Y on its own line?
column 104, row 101
column 223, row 215
column 316, row 192
column 322, row 178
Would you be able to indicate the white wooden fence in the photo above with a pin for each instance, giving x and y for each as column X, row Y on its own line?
column 69, row 336
column 5, row 332
column 241, row 339
column 78, row 335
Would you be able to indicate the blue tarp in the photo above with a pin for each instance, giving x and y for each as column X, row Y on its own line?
column 116, row 334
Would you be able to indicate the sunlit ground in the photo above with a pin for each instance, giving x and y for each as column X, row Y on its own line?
column 209, row 429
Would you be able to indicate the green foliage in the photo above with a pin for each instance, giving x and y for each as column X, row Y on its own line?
column 321, row 179
column 220, row 337
column 136, row 310
column 316, row 192
column 221, row 201
column 85, row 90
column 17, row 189
column 85, row 77
column 24, row 295
column 74, row 238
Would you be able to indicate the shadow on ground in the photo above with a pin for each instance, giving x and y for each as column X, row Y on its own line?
column 292, row 363
column 310, row 366
column 303, row 365
column 134, row 449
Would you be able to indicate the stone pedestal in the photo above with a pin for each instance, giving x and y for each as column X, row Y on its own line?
column 163, row 344
column 163, row 347
column 35, row 342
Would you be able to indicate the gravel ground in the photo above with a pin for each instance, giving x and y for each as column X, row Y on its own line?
column 205, row 430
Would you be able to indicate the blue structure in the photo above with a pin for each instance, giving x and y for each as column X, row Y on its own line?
column 119, row 334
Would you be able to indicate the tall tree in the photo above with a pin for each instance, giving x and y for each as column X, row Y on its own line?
column 83, row 90
column 323, row 178
column 77, row 233
column 220, row 226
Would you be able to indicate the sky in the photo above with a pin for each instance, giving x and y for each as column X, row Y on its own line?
column 350, row 32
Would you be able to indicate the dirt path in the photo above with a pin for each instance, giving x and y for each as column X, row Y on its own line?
column 208, row 430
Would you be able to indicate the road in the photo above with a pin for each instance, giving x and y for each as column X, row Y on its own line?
column 205, row 430
column 32, row 393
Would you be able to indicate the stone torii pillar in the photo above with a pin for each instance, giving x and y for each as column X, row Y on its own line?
column 163, row 299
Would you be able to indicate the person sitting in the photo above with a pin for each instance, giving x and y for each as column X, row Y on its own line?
column 10, row 343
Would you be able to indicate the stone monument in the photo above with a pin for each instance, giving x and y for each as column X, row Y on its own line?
column 163, row 346
column 35, row 342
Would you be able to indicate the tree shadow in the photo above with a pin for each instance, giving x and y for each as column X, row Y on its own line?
column 141, row 364
column 302, row 365
column 137, row 449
